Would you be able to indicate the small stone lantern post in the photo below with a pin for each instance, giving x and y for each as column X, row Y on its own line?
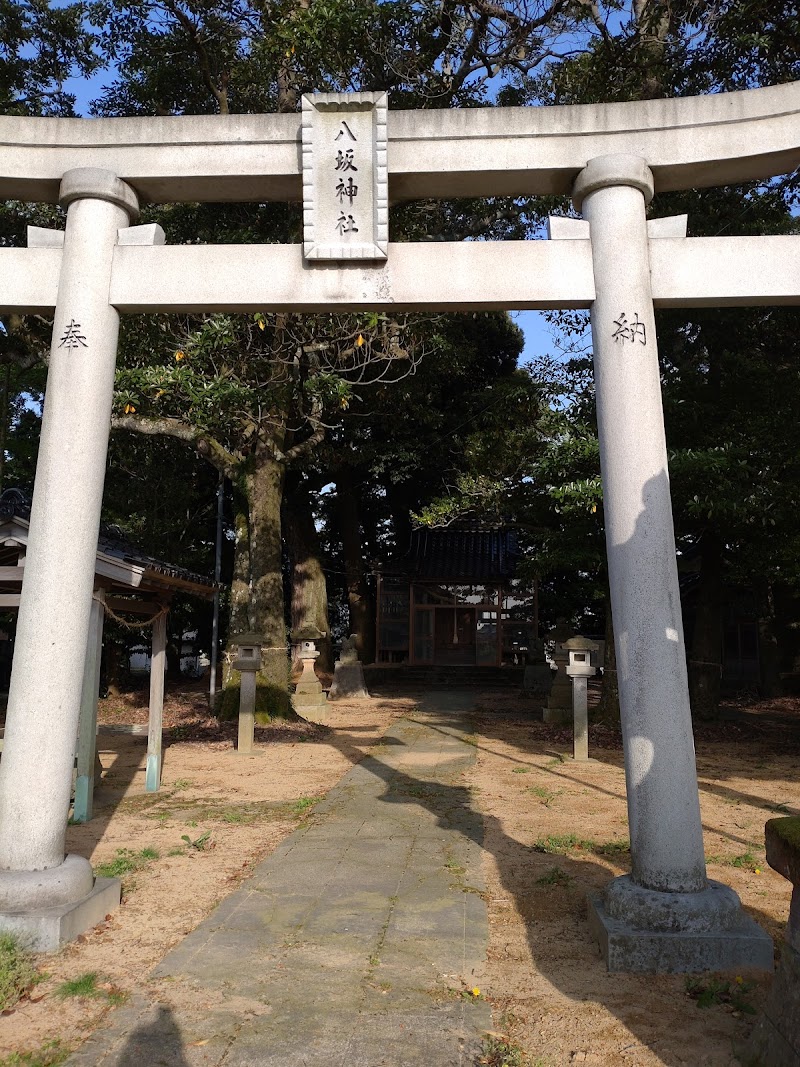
column 248, row 663
column 580, row 670
column 308, row 695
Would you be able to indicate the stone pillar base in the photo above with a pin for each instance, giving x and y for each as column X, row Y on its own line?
column 687, row 932
column 316, row 712
column 47, row 929
column 307, row 699
column 348, row 682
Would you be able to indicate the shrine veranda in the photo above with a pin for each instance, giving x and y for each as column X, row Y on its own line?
column 348, row 157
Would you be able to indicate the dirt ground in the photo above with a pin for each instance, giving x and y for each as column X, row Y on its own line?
column 553, row 831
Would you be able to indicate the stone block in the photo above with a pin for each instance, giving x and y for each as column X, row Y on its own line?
column 47, row 929
column 560, row 716
column 775, row 1040
column 628, row 949
column 315, row 711
column 348, row 682
column 537, row 679
column 782, row 838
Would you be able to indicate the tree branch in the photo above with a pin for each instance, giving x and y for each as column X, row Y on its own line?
column 206, row 447
column 220, row 93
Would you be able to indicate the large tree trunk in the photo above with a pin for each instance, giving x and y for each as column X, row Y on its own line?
column 705, row 660
column 113, row 653
column 356, row 583
column 608, row 708
column 239, row 603
column 771, row 684
column 265, row 494
column 257, row 604
column 309, row 606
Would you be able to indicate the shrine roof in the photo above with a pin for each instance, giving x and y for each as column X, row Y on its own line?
column 117, row 557
column 463, row 553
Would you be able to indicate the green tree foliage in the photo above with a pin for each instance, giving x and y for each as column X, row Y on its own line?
column 40, row 47
column 257, row 396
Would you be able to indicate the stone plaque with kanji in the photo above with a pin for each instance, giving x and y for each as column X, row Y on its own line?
column 345, row 180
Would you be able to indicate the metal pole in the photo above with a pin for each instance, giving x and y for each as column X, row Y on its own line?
column 212, row 684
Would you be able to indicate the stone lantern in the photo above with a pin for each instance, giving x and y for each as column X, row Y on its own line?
column 580, row 669
column 248, row 663
column 308, row 695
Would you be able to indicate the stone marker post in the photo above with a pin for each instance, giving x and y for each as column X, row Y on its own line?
column 580, row 670
column 248, row 663
column 53, row 625
column 665, row 915
column 155, row 718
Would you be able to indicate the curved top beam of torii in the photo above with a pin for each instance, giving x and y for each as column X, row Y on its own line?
column 688, row 142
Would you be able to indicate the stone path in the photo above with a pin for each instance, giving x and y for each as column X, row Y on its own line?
column 350, row 945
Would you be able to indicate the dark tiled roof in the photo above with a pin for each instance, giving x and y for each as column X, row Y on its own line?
column 459, row 554
column 111, row 542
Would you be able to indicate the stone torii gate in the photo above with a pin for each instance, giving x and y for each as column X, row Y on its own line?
column 346, row 157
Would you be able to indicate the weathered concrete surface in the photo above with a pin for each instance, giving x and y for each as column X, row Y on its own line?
column 686, row 272
column 678, row 933
column 351, row 945
column 348, row 682
column 53, row 622
column 49, row 929
column 718, row 139
column 663, row 804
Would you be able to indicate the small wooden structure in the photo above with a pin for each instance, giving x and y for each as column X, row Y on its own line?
column 453, row 600
column 127, row 582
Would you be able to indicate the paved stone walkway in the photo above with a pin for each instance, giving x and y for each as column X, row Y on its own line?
column 349, row 945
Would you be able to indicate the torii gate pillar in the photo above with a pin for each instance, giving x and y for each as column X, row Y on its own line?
column 44, row 897
column 666, row 915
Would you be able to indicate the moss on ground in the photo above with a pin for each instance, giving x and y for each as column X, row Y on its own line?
column 272, row 702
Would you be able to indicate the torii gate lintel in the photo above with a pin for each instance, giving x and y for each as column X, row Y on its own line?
column 666, row 915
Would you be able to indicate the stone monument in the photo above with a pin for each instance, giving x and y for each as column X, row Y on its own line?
column 558, row 708
column 348, row 674
column 538, row 678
